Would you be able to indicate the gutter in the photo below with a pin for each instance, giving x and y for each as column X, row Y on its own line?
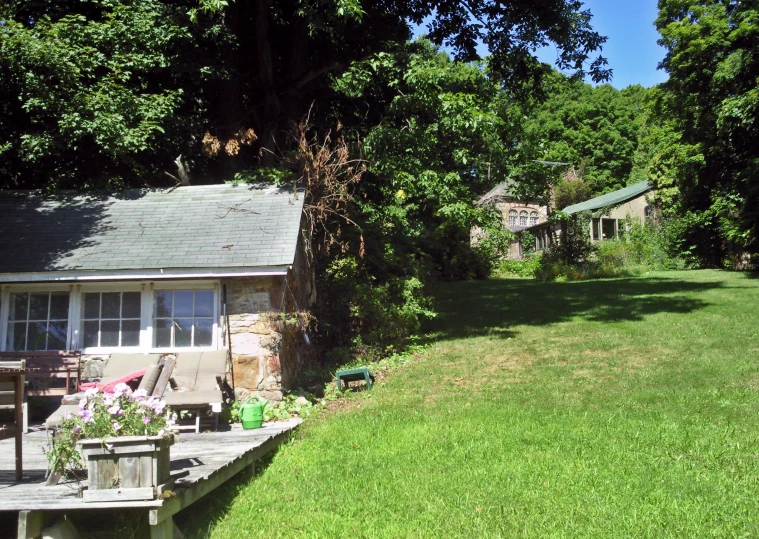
column 141, row 274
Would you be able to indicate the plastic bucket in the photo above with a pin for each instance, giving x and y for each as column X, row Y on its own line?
column 252, row 414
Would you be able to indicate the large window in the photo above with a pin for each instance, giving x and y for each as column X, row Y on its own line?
column 101, row 318
column 37, row 321
column 183, row 318
column 533, row 218
column 512, row 217
column 111, row 319
column 523, row 218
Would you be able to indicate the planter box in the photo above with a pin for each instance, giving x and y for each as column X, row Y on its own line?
column 126, row 468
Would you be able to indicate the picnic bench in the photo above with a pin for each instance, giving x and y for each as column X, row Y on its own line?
column 48, row 374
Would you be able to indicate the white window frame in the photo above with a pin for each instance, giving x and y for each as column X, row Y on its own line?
column 187, row 286
column 76, row 310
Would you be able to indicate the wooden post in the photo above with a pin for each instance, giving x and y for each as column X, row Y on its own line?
column 30, row 524
column 19, row 416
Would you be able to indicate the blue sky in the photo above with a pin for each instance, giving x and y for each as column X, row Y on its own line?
column 631, row 48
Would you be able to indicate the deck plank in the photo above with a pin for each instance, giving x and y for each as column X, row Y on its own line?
column 202, row 456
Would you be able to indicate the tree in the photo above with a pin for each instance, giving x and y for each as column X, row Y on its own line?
column 712, row 96
column 101, row 93
column 594, row 129
column 117, row 89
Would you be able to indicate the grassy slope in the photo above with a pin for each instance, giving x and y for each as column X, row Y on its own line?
column 609, row 408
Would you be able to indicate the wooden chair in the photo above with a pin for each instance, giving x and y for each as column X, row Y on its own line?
column 12, row 398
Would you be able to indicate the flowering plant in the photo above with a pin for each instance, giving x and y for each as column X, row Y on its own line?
column 106, row 415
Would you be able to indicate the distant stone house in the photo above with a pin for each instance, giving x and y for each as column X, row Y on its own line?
column 610, row 211
column 158, row 270
column 517, row 214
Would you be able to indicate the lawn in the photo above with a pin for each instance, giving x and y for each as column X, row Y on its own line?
column 612, row 408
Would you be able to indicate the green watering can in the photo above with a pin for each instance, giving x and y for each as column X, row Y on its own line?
column 252, row 413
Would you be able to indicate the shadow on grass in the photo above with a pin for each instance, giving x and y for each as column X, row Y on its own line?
column 197, row 520
column 495, row 306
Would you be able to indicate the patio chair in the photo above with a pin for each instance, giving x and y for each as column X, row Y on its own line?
column 198, row 385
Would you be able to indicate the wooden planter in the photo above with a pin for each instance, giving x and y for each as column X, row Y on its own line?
column 126, row 468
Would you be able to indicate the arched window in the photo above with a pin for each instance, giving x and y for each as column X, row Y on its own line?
column 534, row 218
column 523, row 218
column 512, row 217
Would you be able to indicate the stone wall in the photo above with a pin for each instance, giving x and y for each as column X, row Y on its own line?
column 254, row 343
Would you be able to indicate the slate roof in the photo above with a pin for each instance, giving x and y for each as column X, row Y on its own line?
column 610, row 199
column 504, row 189
column 193, row 227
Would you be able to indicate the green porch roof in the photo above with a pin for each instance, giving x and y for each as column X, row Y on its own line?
column 610, row 199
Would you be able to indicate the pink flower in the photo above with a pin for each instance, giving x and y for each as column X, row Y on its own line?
column 116, row 426
column 145, row 420
column 122, row 389
column 113, row 410
column 91, row 392
column 140, row 394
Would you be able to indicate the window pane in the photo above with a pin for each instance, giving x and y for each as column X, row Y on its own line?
column 596, row 228
column 183, row 303
column 111, row 305
column 183, row 332
column 204, row 303
column 18, row 306
column 17, row 337
column 56, row 335
column 130, row 333
column 92, row 305
column 162, row 328
column 59, row 306
column 37, row 333
column 90, row 334
column 109, row 332
column 163, row 304
column 130, row 305
column 607, row 227
column 38, row 307
column 203, row 332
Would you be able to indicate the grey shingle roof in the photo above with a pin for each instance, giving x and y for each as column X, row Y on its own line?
column 610, row 199
column 213, row 226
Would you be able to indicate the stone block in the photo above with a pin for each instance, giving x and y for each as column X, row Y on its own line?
column 245, row 343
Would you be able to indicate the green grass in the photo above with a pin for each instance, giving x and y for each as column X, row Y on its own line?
column 618, row 408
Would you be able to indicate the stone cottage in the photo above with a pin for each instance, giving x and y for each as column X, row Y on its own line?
column 517, row 214
column 160, row 270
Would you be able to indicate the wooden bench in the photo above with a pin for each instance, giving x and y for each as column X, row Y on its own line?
column 48, row 374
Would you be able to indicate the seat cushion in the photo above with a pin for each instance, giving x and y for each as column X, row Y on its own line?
column 178, row 399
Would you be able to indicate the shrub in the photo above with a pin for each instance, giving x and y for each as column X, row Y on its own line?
column 518, row 268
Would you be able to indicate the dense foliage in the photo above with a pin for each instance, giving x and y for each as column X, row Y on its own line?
column 712, row 96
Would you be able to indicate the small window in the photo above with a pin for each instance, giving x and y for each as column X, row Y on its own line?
column 512, row 217
column 111, row 319
column 38, row 321
column 596, row 228
column 523, row 218
column 183, row 318
column 534, row 218
column 609, row 228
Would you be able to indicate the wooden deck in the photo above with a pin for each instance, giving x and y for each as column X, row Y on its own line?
column 204, row 460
